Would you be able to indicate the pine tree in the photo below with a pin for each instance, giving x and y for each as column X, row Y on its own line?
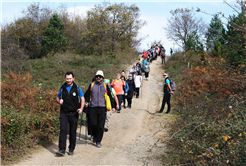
column 214, row 34
column 235, row 40
column 54, row 39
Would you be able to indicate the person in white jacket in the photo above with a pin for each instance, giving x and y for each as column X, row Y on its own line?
column 138, row 81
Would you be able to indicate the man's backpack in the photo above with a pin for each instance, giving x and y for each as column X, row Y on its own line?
column 163, row 54
column 173, row 85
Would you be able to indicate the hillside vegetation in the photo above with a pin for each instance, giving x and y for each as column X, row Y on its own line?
column 211, row 109
column 39, row 48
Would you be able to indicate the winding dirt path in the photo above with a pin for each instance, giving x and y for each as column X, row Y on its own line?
column 131, row 135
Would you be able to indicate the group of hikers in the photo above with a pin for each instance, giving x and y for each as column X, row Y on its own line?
column 73, row 101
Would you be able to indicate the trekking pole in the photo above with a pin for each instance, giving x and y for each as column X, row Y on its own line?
column 80, row 124
column 86, row 127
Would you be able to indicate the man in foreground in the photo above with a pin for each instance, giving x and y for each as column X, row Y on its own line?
column 71, row 99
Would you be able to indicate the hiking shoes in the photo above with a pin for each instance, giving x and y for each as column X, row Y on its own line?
column 124, row 107
column 99, row 144
column 61, row 152
column 94, row 140
column 118, row 111
column 70, row 153
column 167, row 112
column 106, row 129
column 161, row 112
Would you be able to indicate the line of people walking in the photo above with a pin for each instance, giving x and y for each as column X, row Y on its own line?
column 120, row 91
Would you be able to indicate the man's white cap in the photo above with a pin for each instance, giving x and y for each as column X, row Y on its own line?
column 99, row 73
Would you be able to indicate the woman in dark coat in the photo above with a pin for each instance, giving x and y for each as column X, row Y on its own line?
column 131, row 90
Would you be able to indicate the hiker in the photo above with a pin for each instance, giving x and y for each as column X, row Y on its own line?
column 144, row 63
column 125, row 90
column 137, row 81
column 131, row 90
column 139, row 69
column 155, row 53
column 95, row 98
column 145, row 54
column 71, row 99
column 171, row 51
column 163, row 55
column 167, row 94
column 110, row 113
column 147, row 70
column 118, row 86
column 140, row 56
column 123, row 74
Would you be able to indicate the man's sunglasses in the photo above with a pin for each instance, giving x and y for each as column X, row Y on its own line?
column 99, row 76
column 164, row 75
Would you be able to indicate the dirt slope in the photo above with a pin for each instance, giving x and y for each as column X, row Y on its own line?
column 129, row 138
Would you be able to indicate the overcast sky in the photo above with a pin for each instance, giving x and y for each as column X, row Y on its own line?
column 155, row 13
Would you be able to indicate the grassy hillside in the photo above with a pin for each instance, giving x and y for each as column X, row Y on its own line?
column 29, row 113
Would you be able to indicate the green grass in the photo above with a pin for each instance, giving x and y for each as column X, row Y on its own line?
column 50, row 71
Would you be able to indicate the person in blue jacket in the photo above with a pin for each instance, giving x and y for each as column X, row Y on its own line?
column 125, row 90
column 72, row 101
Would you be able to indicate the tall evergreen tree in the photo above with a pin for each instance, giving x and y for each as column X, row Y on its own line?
column 235, row 40
column 54, row 39
column 214, row 33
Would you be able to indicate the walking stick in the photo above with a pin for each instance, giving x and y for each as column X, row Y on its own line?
column 80, row 124
column 86, row 127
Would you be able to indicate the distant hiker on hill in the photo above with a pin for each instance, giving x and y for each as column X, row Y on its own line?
column 167, row 94
column 71, row 99
column 145, row 54
column 96, row 100
column 118, row 86
column 131, row 90
column 171, row 51
column 109, row 113
column 163, row 55
column 137, row 80
column 146, row 70
column 139, row 69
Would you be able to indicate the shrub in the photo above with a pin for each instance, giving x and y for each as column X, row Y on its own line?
column 28, row 115
column 13, row 58
column 210, row 129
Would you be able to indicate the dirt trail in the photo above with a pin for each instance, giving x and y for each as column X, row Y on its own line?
column 129, row 138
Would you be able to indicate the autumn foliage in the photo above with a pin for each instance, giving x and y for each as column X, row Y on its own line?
column 28, row 114
column 210, row 128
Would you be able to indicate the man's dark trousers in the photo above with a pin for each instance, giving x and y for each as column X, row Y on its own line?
column 162, row 59
column 66, row 118
column 137, row 92
column 166, row 99
column 97, row 121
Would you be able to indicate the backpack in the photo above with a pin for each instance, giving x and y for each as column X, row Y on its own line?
column 172, row 84
column 163, row 54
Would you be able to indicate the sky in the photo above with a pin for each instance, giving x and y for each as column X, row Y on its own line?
column 155, row 13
